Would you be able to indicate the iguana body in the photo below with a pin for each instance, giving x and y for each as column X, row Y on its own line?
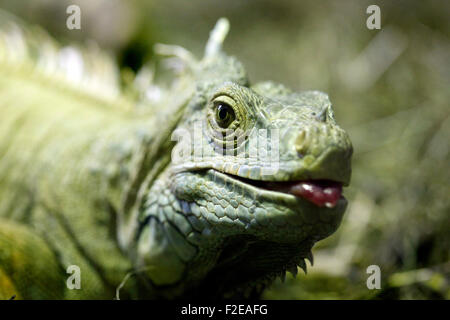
column 89, row 181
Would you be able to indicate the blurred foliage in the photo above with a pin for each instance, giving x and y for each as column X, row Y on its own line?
column 390, row 90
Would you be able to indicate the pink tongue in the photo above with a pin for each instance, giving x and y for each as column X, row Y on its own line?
column 322, row 195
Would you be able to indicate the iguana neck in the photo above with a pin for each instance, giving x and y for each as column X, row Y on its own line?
column 180, row 251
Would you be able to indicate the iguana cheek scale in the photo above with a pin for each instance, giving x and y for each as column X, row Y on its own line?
column 88, row 176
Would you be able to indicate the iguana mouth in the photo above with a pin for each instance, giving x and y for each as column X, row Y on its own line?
column 323, row 193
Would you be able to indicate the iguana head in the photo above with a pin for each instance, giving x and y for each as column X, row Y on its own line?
column 255, row 180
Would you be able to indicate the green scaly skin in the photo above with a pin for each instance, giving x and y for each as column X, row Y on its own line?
column 84, row 181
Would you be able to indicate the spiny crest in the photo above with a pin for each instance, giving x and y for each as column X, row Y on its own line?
column 215, row 67
column 27, row 48
column 88, row 69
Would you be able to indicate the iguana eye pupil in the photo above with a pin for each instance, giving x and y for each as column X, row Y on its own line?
column 225, row 115
column 223, row 111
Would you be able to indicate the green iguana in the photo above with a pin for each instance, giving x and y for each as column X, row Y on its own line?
column 157, row 191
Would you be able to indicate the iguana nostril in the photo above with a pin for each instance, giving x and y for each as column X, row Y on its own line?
column 300, row 144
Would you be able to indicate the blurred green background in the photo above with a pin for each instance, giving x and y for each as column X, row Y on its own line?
column 390, row 89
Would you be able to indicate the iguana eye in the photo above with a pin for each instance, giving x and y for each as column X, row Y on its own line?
column 224, row 114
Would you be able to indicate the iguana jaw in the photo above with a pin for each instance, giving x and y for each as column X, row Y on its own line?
column 282, row 211
column 282, row 230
